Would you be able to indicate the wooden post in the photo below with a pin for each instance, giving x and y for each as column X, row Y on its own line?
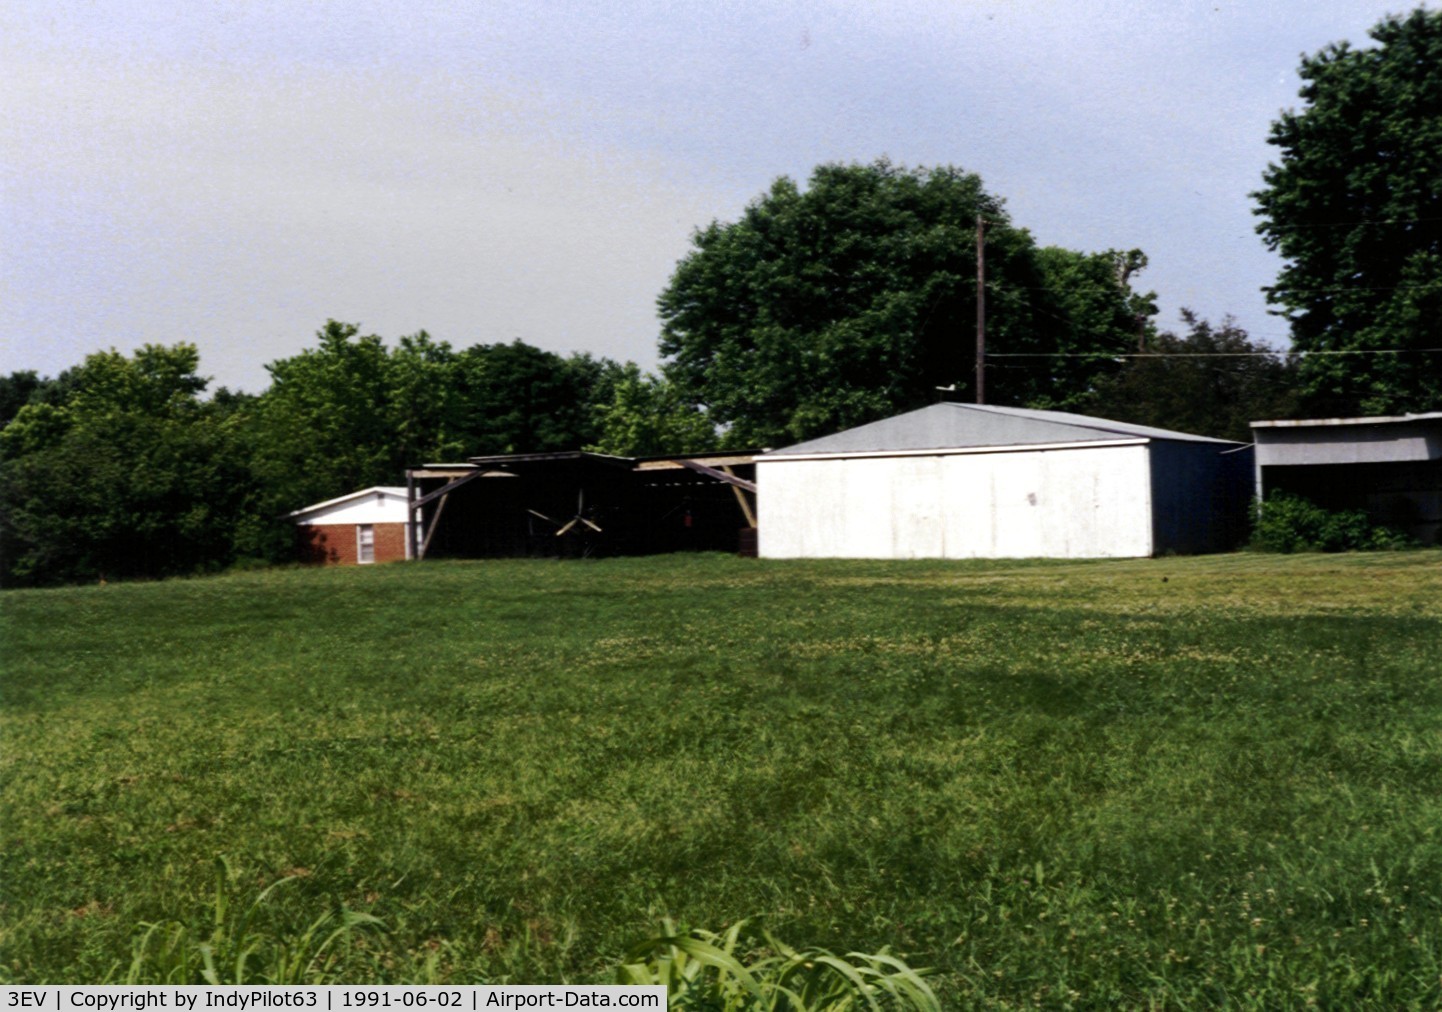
column 413, row 539
column 435, row 522
column 746, row 510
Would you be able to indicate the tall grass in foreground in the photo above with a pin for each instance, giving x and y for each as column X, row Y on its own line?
column 1167, row 783
column 238, row 945
column 706, row 970
column 699, row 969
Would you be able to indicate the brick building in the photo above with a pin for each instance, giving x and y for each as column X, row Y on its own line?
column 356, row 529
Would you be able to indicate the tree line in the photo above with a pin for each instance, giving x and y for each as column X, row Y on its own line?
column 821, row 307
column 122, row 467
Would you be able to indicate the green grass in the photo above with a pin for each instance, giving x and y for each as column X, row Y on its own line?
column 1171, row 783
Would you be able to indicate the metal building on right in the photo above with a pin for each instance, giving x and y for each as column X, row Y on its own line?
column 1389, row 466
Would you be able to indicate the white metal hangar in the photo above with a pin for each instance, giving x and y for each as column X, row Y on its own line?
column 972, row 481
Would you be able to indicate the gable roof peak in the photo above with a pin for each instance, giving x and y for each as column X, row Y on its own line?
column 951, row 425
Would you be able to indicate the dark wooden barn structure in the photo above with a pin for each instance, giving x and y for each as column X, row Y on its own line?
column 577, row 504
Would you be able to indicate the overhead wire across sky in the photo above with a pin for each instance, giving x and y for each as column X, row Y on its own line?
column 1209, row 354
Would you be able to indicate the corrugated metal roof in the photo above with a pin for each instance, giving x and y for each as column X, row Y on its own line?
column 957, row 426
column 1305, row 423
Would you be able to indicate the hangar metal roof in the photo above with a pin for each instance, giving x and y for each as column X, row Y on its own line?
column 1375, row 440
column 951, row 426
column 1307, row 423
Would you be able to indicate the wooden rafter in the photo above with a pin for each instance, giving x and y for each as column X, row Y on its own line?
column 719, row 475
column 666, row 464
column 448, row 487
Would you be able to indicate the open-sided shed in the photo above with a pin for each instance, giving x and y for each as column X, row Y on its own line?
column 1391, row 467
column 581, row 504
column 972, row 481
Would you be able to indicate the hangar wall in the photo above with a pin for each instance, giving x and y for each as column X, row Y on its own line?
column 1082, row 502
column 1200, row 496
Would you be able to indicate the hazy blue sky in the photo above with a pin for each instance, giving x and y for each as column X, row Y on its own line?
column 235, row 173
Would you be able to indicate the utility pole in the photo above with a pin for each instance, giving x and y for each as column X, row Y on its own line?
column 980, row 309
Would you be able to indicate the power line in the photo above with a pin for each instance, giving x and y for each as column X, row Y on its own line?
column 1203, row 354
column 1002, row 287
column 1356, row 288
column 1350, row 224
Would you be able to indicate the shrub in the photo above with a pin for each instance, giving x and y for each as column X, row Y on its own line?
column 1289, row 523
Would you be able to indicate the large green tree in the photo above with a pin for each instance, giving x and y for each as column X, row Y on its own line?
column 324, row 426
column 352, row 412
column 1354, row 206
column 517, row 398
column 855, row 297
column 1212, row 380
column 647, row 416
column 16, row 391
column 1096, row 314
column 128, row 474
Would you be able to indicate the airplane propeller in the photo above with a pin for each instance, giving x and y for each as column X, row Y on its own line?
column 579, row 518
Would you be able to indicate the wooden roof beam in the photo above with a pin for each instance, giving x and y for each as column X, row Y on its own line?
column 719, row 475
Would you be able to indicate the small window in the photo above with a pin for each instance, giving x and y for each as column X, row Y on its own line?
column 365, row 543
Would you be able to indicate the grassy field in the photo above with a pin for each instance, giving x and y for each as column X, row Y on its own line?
column 1177, row 782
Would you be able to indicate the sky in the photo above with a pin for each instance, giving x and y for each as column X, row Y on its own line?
column 234, row 174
